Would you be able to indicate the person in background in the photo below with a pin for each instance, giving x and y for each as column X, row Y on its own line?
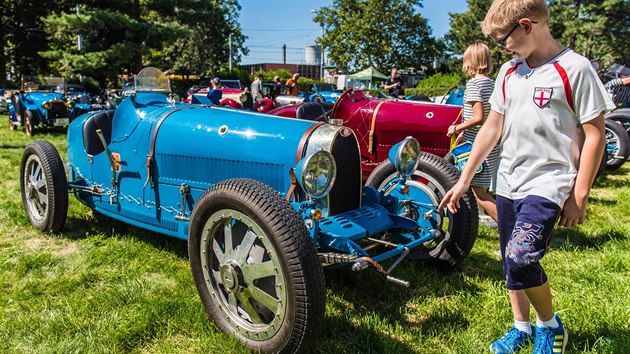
column 215, row 94
column 394, row 84
column 478, row 65
column 547, row 114
column 276, row 89
column 292, row 84
column 256, row 86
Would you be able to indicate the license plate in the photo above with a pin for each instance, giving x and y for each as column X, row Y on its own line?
column 62, row 122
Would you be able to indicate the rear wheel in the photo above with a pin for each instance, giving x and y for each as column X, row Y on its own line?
column 28, row 123
column 617, row 144
column 11, row 125
column 431, row 180
column 44, row 187
column 318, row 98
column 255, row 267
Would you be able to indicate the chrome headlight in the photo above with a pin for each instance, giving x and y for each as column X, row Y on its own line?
column 46, row 105
column 404, row 156
column 242, row 97
column 316, row 173
column 71, row 104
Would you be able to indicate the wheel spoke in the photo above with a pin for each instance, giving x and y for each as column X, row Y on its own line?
column 227, row 233
column 39, row 206
column 249, row 309
column 42, row 197
column 218, row 252
column 37, row 171
column 263, row 298
column 217, row 277
column 40, row 183
column 252, row 272
column 245, row 247
column 232, row 301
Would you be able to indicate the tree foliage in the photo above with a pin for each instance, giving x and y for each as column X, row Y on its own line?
column 360, row 33
column 181, row 36
column 597, row 29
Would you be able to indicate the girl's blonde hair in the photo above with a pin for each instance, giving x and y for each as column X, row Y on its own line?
column 504, row 14
column 477, row 60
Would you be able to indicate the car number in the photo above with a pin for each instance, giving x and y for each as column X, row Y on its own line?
column 62, row 122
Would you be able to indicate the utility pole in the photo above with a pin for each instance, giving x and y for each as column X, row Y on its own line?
column 284, row 54
column 79, row 41
column 230, row 44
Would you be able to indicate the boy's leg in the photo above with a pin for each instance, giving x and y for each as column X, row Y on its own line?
column 486, row 201
column 540, row 298
column 520, row 304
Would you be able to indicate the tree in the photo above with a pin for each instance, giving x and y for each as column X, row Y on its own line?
column 203, row 48
column 597, row 29
column 466, row 30
column 360, row 33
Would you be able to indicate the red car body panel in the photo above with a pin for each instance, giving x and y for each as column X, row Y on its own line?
column 391, row 121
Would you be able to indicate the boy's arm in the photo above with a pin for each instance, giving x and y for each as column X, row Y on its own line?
column 485, row 141
column 574, row 209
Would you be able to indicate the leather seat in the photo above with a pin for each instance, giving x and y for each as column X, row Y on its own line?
column 311, row 111
column 103, row 121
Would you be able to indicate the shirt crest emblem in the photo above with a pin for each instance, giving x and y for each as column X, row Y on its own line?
column 542, row 96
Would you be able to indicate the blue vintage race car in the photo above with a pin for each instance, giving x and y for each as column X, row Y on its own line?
column 42, row 102
column 323, row 93
column 263, row 202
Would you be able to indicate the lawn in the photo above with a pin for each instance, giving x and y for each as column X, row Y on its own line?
column 107, row 288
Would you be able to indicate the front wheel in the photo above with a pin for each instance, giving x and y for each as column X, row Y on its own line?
column 44, row 187
column 617, row 144
column 255, row 267
column 28, row 123
column 431, row 180
column 318, row 98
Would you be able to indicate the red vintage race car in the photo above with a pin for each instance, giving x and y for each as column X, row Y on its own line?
column 379, row 124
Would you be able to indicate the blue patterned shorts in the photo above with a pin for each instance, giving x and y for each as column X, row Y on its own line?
column 525, row 228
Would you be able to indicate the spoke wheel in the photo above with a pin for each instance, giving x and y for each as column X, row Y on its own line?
column 44, row 187
column 28, row 123
column 617, row 144
column 255, row 266
column 428, row 185
column 11, row 125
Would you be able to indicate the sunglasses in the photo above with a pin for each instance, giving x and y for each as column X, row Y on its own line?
column 501, row 42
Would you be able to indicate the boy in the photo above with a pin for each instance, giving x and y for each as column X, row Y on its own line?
column 547, row 115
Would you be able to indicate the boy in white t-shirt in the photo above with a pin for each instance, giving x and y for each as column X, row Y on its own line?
column 547, row 115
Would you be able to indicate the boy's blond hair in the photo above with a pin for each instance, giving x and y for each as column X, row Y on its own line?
column 504, row 14
column 477, row 60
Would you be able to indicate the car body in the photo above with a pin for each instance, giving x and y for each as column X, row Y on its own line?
column 323, row 92
column 42, row 103
column 262, row 200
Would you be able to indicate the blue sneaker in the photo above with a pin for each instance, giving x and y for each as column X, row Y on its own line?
column 511, row 342
column 551, row 340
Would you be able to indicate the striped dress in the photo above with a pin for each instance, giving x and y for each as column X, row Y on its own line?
column 620, row 93
column 479, row 89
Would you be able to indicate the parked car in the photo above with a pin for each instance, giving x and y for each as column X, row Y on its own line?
column 322, row 92
column 232, row 89
column 38, row 105
column 262, row 201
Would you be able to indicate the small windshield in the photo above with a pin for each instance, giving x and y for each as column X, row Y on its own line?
column 151, row 79
column 324, row 87
column 42, row 83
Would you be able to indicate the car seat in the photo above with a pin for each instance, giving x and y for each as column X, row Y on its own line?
column 311, row 111
column 103, row 121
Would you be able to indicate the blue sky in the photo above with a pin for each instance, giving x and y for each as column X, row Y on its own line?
column 270, row 24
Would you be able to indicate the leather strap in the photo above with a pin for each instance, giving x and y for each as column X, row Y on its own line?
column 152, row 148
column 373, row 127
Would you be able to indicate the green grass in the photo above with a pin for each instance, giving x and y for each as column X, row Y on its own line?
column 110, row 289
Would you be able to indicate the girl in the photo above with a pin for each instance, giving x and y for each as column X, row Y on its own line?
column 478, row 65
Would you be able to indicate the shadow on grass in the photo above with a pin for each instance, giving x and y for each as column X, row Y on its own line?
column 603, row 340
column 606, row 182
column 576, row 238
column 80, row 228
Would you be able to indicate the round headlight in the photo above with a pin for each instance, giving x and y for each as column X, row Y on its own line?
column 71, row 104
column 404, row 156
column 242, row 97
column 46, row 105
column 316, row 173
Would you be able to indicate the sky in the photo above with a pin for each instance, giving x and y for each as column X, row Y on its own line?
column 270, row 23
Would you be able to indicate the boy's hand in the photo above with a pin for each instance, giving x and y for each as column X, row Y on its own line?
column 573, row 212
column 451, row 199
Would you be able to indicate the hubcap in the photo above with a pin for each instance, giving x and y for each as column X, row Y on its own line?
column 231, row 276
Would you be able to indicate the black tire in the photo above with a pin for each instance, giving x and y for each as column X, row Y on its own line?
column 11, row 125
column 434, row 177
column 621, row 116
column 28, row 123
column 318, row 98
column 44, row 187
column 602, row 165
column 281, row 287
column 617, row 144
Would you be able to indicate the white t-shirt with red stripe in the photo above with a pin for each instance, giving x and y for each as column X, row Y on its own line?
column 544, row 108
